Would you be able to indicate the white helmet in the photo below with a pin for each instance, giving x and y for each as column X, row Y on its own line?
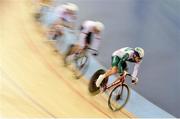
column 72, row 7
column 140, row 51
column 99, row 26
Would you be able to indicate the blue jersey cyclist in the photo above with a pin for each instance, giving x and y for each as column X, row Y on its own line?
column 119, row 62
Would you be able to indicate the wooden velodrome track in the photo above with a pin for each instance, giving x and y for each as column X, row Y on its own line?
column 33, row 81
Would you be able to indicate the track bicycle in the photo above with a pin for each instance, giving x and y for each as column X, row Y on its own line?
column 120, row 93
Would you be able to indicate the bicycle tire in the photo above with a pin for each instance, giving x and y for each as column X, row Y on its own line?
column 111, row 101
column 81, row 65
column 93, row 89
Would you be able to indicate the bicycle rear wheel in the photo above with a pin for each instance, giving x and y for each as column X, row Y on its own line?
column 93, row 89
column 118, row 97
column 81, row 62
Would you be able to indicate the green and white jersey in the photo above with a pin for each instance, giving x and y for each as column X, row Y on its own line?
column 126, row 54
column 124, row 51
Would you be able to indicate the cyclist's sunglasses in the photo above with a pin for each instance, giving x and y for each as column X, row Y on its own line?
column 137, row 55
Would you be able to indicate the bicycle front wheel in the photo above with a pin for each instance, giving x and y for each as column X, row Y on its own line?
column 81, row 65
column 118, row 97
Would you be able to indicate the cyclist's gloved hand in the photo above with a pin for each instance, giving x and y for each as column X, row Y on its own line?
column 134, row 80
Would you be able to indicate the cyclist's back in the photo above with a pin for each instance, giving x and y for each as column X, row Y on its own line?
column 123, row 51
column 90, row 34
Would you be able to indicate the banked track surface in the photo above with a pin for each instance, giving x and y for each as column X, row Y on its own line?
column 33, row 81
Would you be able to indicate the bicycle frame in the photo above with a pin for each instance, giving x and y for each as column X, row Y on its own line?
column 119, row 81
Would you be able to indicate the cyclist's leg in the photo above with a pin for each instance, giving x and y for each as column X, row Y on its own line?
column 114, row 66
column 114, row 63
column 68, row 53
column 69, row 50
column 122, row 66
column 52, row 32
column 58, row 31
column 73, row 49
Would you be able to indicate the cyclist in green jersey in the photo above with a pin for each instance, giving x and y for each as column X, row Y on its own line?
column 119, row 62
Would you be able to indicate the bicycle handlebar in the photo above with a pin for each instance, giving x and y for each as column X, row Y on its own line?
column 128, row 74
column 93, row 50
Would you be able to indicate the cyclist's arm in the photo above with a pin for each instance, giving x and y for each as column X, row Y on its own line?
column 82, row 38
column 136, row 68
column 96, row 42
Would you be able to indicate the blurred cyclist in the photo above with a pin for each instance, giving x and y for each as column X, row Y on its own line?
column 90, row 37
column 40, row 5
column 119, row 62
column 67, row 14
